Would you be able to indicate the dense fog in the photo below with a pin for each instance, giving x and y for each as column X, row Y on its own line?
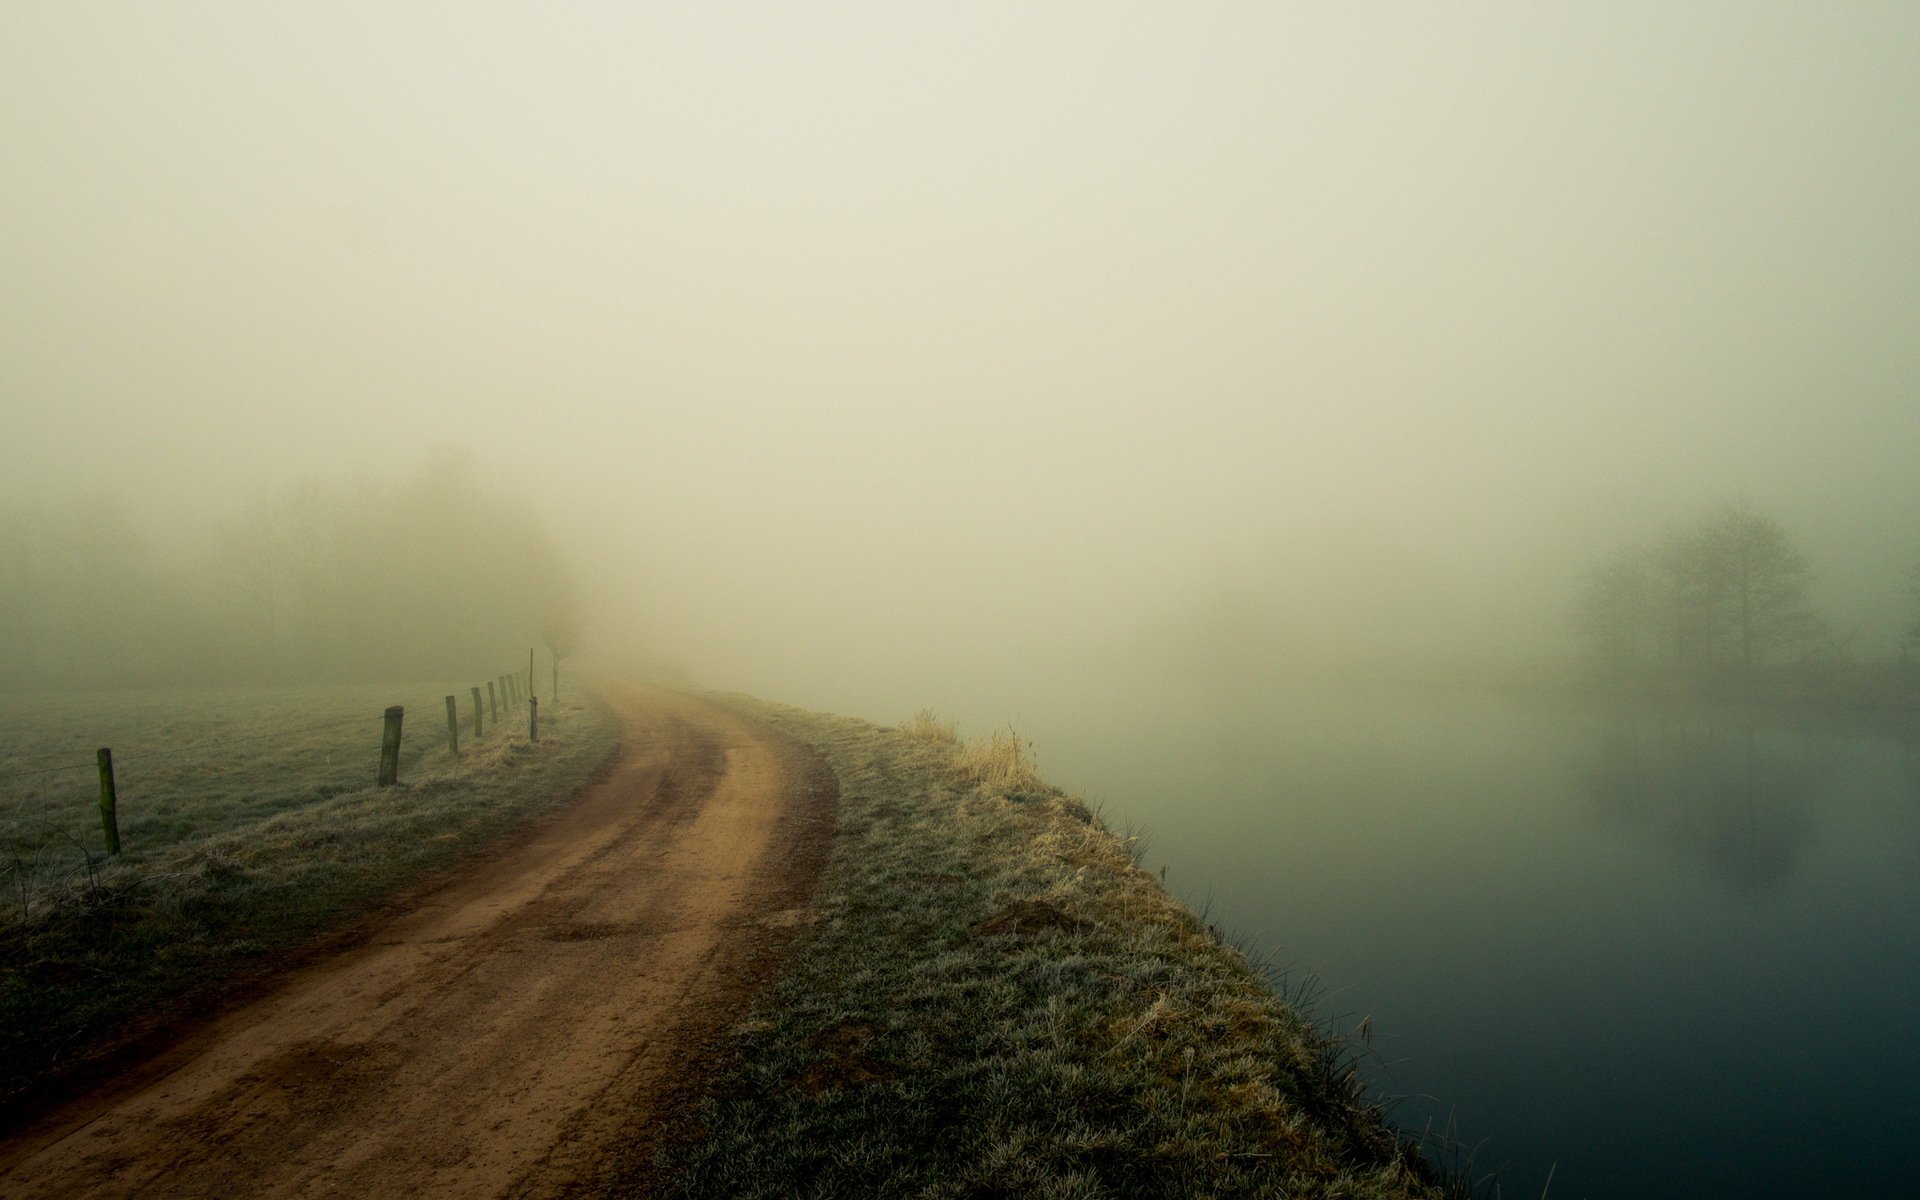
column 868, row 356
column 357, row 579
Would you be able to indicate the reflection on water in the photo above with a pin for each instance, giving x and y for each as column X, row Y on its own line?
column 1718, row 791
column 1655, row 954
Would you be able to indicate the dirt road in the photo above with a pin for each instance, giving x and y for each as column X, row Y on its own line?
column 512, row 1033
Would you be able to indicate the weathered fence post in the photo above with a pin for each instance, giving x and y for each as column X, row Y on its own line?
column 477, row 731
column 531, row 690
column 109, row 802
column 533, row 718
column 453, row 727
column 390, row 747
column 493, row 704
column 513, row 689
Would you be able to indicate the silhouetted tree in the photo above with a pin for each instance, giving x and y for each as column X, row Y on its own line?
column 560, row 631
column 1759, row 584
column 1726, row 591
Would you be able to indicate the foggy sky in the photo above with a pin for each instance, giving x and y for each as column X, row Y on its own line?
column 860, row 353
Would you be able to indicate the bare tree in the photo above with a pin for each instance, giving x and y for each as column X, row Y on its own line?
column 1729, row 590
column 1760, row 584
column 560, row 632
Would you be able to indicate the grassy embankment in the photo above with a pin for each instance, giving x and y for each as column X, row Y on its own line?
column 234, row 854
column 995, row 1000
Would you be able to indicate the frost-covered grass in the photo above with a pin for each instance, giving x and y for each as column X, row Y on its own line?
column 192, row 763
column 995, row 1000
column 249, row 824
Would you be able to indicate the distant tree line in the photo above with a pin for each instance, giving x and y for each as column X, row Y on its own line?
column 312, row 582
column 1726, row 595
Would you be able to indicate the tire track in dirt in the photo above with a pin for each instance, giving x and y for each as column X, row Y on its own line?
column 517, row 1028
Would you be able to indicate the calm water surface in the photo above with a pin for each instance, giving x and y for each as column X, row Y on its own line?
column 1657, row 953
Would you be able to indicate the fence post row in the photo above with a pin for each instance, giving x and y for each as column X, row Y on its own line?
column 109, row 802
column 390, row 747
column 389, row 773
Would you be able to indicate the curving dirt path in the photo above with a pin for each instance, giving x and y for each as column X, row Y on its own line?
column 514, row 1033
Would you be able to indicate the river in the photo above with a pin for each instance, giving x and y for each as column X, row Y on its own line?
column 1642, row 953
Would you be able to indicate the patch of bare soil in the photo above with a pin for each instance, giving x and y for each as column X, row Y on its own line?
column 847, row 1060
column 515, row 1030
column 1028, row 917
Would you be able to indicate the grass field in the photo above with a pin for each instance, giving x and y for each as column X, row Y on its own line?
column 994, row 1000
column 249, row 824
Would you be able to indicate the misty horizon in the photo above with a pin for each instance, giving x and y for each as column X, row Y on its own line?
column 866, row 353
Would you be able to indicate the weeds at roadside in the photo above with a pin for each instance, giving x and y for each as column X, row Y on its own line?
column 926, row 726
column 1001, row 762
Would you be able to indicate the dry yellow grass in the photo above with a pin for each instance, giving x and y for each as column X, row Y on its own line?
column 926, row 726
column 1002, row 762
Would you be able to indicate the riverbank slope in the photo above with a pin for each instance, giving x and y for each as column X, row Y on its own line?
column 990, row 998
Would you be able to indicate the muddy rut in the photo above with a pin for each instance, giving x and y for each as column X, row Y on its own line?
column 520, row 1028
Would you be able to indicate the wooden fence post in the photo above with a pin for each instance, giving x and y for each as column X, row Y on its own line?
column 493, row 704
column 453, row 727
column 533, row 718
column 390, row 747
column 477, row 731
column 109, row 802
column 513, row 688
column 531, row 690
